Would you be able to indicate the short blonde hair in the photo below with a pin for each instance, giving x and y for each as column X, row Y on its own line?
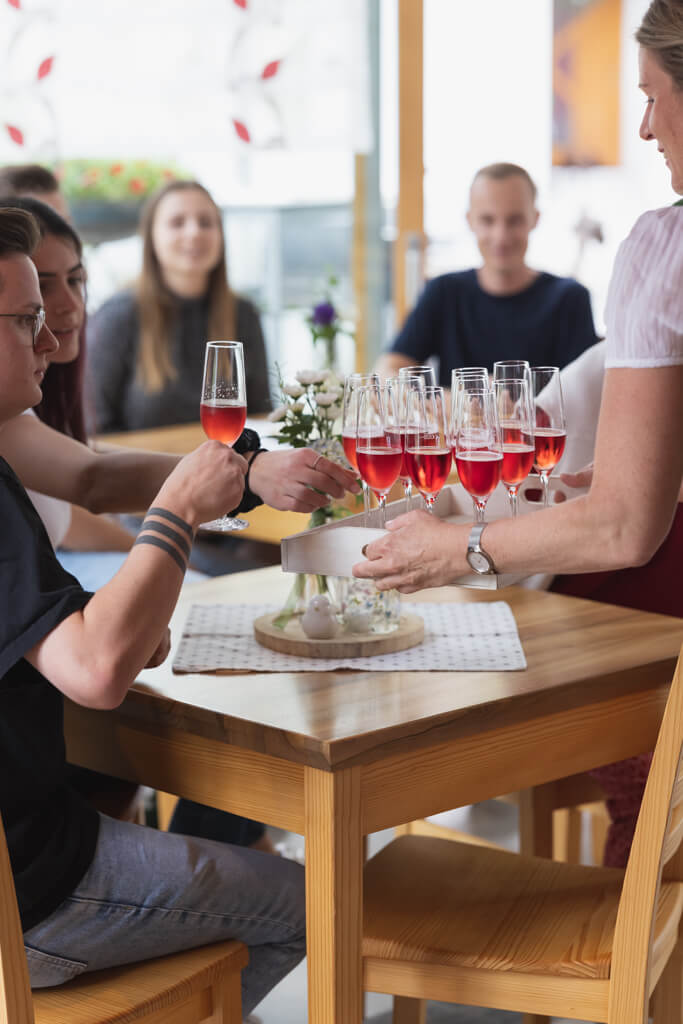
column 661, row 32
column 501, row 171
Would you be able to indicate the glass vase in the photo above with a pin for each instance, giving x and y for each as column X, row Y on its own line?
column 365, row 609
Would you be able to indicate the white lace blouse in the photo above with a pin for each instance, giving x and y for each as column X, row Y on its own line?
column 644, row 313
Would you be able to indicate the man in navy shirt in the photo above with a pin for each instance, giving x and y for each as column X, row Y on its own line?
column 503, row 309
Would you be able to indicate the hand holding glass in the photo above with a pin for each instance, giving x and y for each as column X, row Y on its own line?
column 223, row 408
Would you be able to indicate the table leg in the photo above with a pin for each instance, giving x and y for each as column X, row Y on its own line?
column 334, row 896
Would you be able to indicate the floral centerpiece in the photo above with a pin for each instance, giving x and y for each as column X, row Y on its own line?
column 326, row 325
column 310, row 413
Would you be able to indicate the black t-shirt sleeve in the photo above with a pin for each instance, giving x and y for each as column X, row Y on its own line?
column 418, row 338
column 37, row 592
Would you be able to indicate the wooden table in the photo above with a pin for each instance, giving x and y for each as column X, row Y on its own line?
column 265, row 523
column 338, row 755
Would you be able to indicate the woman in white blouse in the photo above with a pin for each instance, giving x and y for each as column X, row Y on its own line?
column 638, row 468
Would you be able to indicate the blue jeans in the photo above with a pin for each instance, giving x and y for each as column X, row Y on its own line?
column 148, row 893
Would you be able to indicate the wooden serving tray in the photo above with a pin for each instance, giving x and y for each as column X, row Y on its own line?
column 293, row 640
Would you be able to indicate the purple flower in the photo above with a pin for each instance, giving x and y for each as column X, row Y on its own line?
column 324, row 314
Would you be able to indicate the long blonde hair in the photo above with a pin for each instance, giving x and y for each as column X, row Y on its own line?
column 661, row 32
column 158, row 306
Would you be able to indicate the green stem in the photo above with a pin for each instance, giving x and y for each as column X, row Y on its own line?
column 293, row 598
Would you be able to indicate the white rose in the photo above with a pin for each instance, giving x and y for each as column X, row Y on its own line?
column 293, row 390
column 324, row 398
column 297, row 407
column 307, row 377
column 277, row 414
column 330, row 412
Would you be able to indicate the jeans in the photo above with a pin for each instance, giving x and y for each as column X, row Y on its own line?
column 148, row 893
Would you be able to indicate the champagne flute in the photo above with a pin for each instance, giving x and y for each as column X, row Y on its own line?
column 466, row 372
column 550, row 426
column 378, row 442
column 352, row 383
column 223, row 408
column 427, row 451
column 512, row 369
column 469, row 377
column 477, row 446
column 516, row 419
column 402, row 386
column 426, row 373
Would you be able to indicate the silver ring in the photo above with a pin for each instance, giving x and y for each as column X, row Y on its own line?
column 316, row 462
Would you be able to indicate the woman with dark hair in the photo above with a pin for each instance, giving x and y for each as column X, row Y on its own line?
column 71, row 528
column 147, row 343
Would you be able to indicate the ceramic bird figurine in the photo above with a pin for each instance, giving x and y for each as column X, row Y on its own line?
column 319, row 621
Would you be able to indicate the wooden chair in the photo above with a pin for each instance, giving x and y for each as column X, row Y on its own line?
column 466, row 924
column 550, row 820
column 202, row 984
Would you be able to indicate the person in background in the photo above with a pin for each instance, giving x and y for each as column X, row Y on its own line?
column 94, row 892
column 146, row 344
column 503, row 309
column 35, row 182
column 635, row 483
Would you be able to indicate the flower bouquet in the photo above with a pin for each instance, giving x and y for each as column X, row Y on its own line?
column 309, row 409
column 309, row 413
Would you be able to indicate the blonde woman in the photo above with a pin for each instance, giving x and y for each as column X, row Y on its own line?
column 146, row 344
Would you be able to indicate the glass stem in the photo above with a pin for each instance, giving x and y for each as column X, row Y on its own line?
column 479, row 510
column 429, row 502
column 382, row 499
column 407, row 490
column 512, row 494
column 545, row 480
column 366, row 503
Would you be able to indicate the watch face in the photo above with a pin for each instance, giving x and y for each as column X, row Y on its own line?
column 479, row 561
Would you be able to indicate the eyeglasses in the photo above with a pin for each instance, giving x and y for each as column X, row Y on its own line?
column 33, row 322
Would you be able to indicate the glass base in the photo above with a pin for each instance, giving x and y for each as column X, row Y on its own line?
column 226, row 524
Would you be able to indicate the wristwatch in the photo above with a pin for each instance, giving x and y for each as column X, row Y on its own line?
column 479, row 560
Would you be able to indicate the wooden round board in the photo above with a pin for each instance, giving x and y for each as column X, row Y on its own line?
column 293, row 640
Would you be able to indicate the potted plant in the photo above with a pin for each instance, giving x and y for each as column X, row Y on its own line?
column 105, row 196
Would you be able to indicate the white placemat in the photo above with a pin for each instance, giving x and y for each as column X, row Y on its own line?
column 480, row 636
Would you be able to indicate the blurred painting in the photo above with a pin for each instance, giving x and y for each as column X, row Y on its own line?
column 586, row 57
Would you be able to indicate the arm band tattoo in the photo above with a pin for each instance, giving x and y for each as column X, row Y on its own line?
column 163, row 513
column 163, row 546
column 169, row 532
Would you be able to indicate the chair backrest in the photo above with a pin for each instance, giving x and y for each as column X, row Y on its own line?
column 16, row 1004
column 655, row 854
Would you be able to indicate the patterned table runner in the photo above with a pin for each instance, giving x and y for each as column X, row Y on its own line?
column 458, row 637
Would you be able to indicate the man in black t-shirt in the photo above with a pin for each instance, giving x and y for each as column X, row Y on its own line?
column 503, row 309
column 94, row 892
